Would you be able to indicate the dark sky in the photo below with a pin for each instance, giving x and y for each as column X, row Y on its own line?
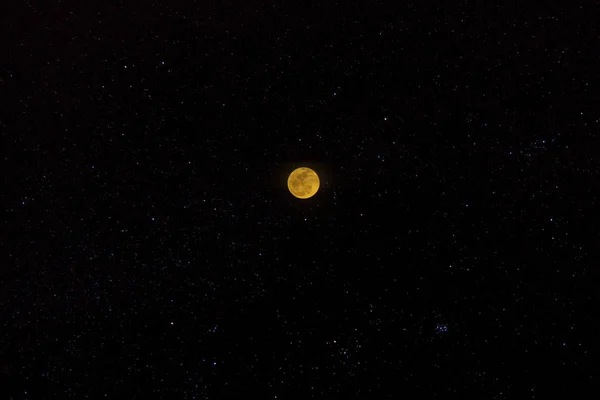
column 152, row 249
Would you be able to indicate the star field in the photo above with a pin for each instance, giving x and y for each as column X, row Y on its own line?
column 151, row 248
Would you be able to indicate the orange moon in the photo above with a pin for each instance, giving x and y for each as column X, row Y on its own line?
column 303, row 183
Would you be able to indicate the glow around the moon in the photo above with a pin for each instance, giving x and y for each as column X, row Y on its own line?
column 303, row 183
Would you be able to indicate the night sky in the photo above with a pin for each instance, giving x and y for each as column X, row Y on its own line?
column 152, row 249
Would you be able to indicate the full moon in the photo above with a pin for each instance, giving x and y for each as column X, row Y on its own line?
column 303, row 183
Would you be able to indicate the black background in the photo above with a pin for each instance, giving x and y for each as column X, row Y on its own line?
column 152, row 248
